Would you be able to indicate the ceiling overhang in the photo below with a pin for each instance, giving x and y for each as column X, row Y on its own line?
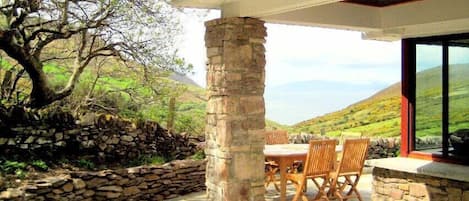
column 376, row 19
column 379, row 3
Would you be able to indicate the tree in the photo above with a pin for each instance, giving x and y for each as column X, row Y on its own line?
column 136, row 32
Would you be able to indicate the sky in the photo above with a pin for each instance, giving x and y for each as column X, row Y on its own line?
column 309, row 71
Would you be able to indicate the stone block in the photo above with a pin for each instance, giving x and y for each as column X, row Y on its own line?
column 213, row 51
column 79, row 184
column 110, row 188
column 454, row 194
column 396, row 194
column 404, row 187
column 252, row 105
column 68, row 187
column 465, row 195
column 224, row 133
column 131, row 191
column 418, row 190
column 127, row 138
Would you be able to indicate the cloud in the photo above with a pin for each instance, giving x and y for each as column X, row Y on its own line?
column 297, row 53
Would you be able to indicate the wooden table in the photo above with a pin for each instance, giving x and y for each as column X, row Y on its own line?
column 284, row 155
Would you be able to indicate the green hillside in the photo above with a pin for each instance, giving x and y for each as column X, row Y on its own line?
column 379, row 115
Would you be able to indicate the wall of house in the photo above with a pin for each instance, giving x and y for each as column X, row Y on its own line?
column 397, row 185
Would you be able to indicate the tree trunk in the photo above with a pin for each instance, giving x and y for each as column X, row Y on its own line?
column 171, row 114
column 6, row 83
column 41, row 94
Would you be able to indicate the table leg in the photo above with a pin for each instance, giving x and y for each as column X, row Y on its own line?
column 283, row 179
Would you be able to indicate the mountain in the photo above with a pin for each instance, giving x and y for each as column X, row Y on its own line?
column 294, row 102
column 183, row 79
column 379, row 114
column 376, row 115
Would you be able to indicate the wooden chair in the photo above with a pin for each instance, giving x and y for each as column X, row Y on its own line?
column 271, row 168
column 318, row 166
column 345, row 178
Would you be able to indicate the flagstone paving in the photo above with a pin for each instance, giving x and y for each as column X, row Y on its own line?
column 364, row 186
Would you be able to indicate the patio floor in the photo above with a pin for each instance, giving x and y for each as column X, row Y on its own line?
column 364, row 186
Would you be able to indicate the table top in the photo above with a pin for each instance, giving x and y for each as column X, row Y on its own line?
column 289, row 149
column 285, row 149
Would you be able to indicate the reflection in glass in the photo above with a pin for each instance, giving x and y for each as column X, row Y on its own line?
column 459, row 97
column 428, row 94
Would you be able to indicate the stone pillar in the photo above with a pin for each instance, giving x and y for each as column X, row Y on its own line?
column 235, row 109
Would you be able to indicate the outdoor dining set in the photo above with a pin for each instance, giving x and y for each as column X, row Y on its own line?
column 334, row 169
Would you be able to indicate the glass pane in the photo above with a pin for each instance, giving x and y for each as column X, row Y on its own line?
column 428, row 102
column 459, row 97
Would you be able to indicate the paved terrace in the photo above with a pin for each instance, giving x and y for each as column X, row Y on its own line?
column 364, row 187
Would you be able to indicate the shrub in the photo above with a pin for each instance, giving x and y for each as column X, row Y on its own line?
column 148, row 160
column 199, row 155
column 40, row 165
column 84, row 163
column 14, row 167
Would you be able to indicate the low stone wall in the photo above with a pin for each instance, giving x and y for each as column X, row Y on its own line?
column 396, row 185
column 379, row 148
column 101, row 138
column 138, row 183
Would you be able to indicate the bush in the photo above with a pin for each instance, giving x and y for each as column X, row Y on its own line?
column 40, row 165
column 84, row 163
column 14, row 167
column 199, row 155
column 148, row 160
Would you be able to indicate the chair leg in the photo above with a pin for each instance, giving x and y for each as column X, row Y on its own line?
column 299, row 190
column 322, row 194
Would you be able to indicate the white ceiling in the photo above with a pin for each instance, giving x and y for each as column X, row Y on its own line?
column 412, row 19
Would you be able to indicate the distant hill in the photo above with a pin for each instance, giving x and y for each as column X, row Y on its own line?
column 292, row 102
column 376, row 115
column 183, row 79
column 379, row 115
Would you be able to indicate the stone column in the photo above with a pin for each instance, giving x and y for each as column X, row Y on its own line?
column 235, row 109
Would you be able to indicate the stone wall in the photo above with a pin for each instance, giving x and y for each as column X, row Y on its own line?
column 101, row 138
column 379, row 147
column 138, row 183
column 395, row 185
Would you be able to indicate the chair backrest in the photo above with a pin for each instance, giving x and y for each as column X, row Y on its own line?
column 349, row 135
column 276, row 137
column 321, row 157
column 353, row 156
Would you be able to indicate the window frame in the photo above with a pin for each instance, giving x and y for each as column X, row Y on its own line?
column 408, row 98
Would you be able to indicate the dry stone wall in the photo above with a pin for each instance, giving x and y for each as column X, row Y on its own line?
column 379, row 148
column 138, row 183
column 396, row 185
column 101, row 138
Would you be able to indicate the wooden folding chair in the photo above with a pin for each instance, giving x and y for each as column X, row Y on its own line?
column 317, row 167
column 344, row 179
column 271, row 168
